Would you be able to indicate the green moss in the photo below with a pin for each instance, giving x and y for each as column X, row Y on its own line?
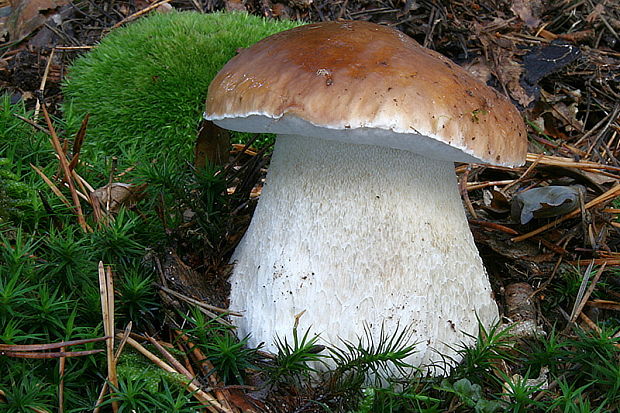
column 14, row 194
column 134, row 367
column 146, row 83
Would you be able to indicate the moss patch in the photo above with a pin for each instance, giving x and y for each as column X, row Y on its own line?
column 146, row 83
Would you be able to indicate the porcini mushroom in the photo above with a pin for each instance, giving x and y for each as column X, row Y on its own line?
column 360, row 221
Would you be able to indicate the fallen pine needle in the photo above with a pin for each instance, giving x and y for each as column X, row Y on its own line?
column 106, row 291
column 52, row 186
column 211, row 403
column 117, row 355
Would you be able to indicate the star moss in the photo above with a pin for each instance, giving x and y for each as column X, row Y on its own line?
column 145, row 84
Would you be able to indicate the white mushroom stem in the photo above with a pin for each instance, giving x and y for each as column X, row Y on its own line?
column 360, row 235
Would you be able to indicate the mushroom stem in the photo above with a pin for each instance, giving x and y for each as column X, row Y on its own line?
column 360, row 235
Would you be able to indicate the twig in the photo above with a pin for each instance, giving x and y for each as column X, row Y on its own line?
column 525, row 174
column 48, row 355
column 493, row 225
column 199, row 303
column 207, row 367
column 464, row 194
column 32, row 123
column 41, row 89
column 62, row 48
column 213, row 405
column 117, row 356
column 175, row 363
column 106, row 290
column 479, row 185
column 139, row 13
column 61, row 383
column 49, row 346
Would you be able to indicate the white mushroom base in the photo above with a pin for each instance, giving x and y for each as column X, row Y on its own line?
column 360, row 235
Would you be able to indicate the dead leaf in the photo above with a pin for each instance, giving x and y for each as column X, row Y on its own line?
column 118, row 194
column 479, row 69
column 509, row 73
column 596, row 13
column 235, row 5
column 212, row 145
column 28, row 15
column 545, row 202
column 527, row 11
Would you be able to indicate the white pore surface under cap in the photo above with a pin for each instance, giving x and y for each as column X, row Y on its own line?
column 360, row 235
column 380, row 134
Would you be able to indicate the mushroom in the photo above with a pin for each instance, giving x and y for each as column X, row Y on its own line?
column 360, row 223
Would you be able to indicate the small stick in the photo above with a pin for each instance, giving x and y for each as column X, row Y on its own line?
column 32, row 123
column 48, row 355
column 240, row 147
column 207, row 367
column 139, row 13
column 80, row 194
column 61, row 384
column 108, row 324
column 479, row 185
column 109, row 186
column 200, row 303
column 49, row 346
column 38, row 105
column 83, row 188
column 582, row 288
column 175, row 363
column 604, row 304
column 592, row 325
column 214, row 406
column 197, row 303
column 79, row 140
column 83, row 181
column 73, row 47
column 525, row 174
column 589, row 322
column 567, row 162
column 464, row 194
column 493, row 225
column 117, row 356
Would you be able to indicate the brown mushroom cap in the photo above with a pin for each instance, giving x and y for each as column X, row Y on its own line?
column 365, row 83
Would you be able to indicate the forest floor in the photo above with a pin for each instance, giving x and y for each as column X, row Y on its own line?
column 553, row 257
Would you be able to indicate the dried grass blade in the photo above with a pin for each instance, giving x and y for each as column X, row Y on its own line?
column 65, row 167
column 582, row 297
column 52, row 186
column 77, row 143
